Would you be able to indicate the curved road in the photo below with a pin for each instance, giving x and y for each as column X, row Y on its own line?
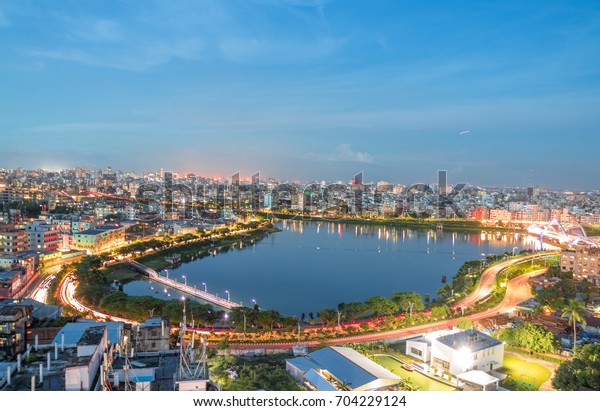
column 67, row 296
column 517, row 291
column 488, row 280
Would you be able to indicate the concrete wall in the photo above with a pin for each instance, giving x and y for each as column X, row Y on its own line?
column 422, row 346
column 461, row 361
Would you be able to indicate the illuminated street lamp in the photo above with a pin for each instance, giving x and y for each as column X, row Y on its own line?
column 515, row 248
column 204, row 284
column 228, row 296
column 184, row 280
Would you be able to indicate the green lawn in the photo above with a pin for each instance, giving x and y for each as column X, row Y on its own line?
column 418, row 379
column 523, row 375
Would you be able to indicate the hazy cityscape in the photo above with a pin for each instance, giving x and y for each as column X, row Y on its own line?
column 310, row 196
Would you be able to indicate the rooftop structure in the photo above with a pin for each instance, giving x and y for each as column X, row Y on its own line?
column 73, row 332
column 335, row 368
column 458, row 351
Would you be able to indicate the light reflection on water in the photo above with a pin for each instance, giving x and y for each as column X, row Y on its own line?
column 309, row 266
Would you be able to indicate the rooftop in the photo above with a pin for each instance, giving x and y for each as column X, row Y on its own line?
column 12, row 311
column 478, row 377
column 155, row 322
column 7, row 275
column 345, row 364
column 39, row 310
column 473, row 339
column 92, row 336
column 98, row 230
column 74, row 331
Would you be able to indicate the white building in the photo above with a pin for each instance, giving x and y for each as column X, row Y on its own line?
column 80, row 375
column 463, row 351
column 458, row 351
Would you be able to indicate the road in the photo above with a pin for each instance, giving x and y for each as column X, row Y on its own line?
column 37, row 282
column 183, row 287
column 488, row 281
column 517, row 291
column 67, row 296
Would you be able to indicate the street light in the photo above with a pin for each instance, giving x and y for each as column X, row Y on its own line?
column 228, row 296
column 167, row 271
column 184, row 280
column 515, row 248
column 204, row 284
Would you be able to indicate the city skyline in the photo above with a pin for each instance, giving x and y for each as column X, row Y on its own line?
column 306, row 90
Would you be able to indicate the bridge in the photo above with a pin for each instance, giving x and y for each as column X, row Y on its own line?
column 561, row 235
column 184, row 288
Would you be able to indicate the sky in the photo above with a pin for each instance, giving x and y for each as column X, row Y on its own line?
column 307, row 90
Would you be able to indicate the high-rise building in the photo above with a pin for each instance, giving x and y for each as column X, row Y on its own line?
column 583, row 261
column 13, row 240
column 43, row 236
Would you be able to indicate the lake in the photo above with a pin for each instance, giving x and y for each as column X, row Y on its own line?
column 309, row 266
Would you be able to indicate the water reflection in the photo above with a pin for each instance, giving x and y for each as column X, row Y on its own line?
column 309, row 266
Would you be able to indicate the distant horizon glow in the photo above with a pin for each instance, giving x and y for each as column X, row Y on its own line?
column 497, row 94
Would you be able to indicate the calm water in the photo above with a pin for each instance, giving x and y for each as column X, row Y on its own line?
column 309, row 266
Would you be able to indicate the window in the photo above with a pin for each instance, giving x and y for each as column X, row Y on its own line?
column 444, row 365
column 416, row 352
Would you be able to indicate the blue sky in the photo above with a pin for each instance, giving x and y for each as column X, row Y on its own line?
column 306, row 89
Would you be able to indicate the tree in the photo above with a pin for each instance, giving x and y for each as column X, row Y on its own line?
column 404, row 299
column 464, row 324
column 534, row 338
column 441, row 312
column 550, row 296
column 353, row 311
column 381, row 306
column 581, row 371
column 328, row 316
column 575, row 310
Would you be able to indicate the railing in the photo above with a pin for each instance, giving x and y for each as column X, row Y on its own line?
column 193, row 291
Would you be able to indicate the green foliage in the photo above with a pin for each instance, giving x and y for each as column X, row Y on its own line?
column 139, row 307
column 464, row 323
column 531, row 337
column 223, row 344
column 328, row 316
column 353, row 311
column 575, row 311
column 441, row 312
column 557, row 296
column 403, row 299
column 265, row 373
column 381, row 306
column 29, row 208
column 581, row 371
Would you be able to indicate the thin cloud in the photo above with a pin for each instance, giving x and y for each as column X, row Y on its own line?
column 343, row 153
